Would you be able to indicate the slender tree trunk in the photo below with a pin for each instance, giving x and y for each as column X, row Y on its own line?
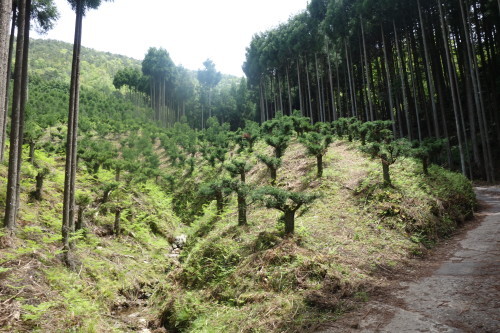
column 116, row 227
column 319, row 163
column 71, row 145
column 339, row 106
column 24, row 97
column 219, row 199
column 274, row 175
column 79, row 220
column 332, row 94
column 471, row 65
column 430, row 83
column 300, row 88
column 309, row 91
column 289, row 222
column 5, row 13
column 367, row 71
column 290, row 107
column 32, row 152
column 452, row 87
column 3, row 129
column 403, row 85
column 318, row 88
column 362, row 91
column 11, row 200
column 385, row 173
column 351, row 83
column 242, row 209
column 414, row 90
column 281, row 95
column 389, row 83
column 262, row 107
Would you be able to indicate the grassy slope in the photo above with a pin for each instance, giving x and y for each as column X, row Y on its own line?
column 230, row 278
column 37, row 293
column 248, row 279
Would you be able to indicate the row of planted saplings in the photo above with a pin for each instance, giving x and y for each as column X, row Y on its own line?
column 376, row 139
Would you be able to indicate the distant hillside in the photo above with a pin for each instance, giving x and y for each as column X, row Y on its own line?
column 51, row 59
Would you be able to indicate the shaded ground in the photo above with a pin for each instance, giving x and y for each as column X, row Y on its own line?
column 457, row 289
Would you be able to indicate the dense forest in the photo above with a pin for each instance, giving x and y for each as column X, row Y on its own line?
column 428, row 66
column 431, row 67
column 143, row 196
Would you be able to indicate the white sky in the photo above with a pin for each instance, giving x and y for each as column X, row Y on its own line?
column 190, row 30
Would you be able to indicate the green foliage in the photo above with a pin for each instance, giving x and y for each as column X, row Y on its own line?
column 210, row 261
column 317, row 144
column 277, row 133
column 238, row 167
column 426, row 151
column 216, row 190
column 286, row 201
column 341, row 127
column 272, row 163
column 300, row 123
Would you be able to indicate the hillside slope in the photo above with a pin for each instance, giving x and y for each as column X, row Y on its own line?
column 227, row 278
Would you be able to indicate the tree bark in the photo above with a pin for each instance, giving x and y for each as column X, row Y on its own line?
column 385, row 173
column 71, row 145
column 273, row 175
column 300, row 88
column 290, row 107
column 403, row 85
column 319, row 162
column 242, row 209
column 474, row 80
column 414, row 90
column 430, row 83
column 116, row 226
column 24, row 97
column 3, row 129
column 330, row 77
column 452, row 88
column 389, row 83
column 289, row 221
column 5, row 13
column 367, row 72
column 11, row 197
column 309, row 91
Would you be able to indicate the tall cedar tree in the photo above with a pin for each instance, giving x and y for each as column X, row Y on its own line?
column 17, row 118
column 68, row 221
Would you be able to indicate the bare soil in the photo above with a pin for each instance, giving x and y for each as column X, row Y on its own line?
column 455, row 288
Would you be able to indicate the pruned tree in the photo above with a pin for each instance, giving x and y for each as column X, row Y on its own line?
column 216, row 190
column 286, row 201
column 316, row 144
column 388, row 152
column 82, row 200
column 272, row 163
column 426, row 151
column 238, row 167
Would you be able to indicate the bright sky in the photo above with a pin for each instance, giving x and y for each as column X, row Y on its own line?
column 190, row 30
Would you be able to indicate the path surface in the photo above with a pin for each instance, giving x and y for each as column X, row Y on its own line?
column 458, row 290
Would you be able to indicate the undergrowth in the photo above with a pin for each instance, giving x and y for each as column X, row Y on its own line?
column 226, row 278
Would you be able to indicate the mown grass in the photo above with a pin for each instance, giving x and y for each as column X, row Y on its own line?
column 39, row 294
column 251, row 279
column 229, row 278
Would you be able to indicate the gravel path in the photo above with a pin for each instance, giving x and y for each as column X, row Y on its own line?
column 458, row 292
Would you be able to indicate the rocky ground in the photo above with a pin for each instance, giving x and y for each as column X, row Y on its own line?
column 456, row 289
